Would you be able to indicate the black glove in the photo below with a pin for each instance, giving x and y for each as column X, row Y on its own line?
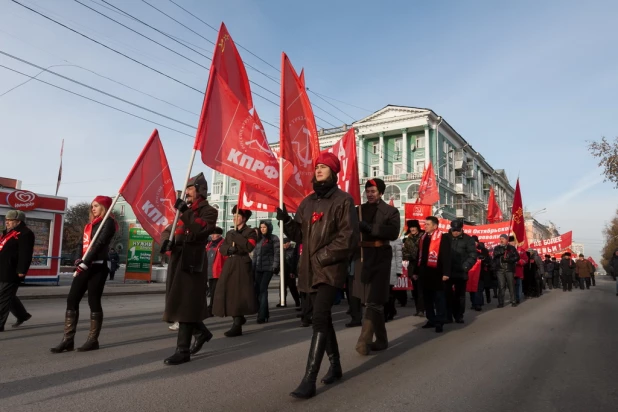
column 77, row 262
column 181, row 205
column 283, row 214
column 232, row 250
column 365, row 227
column 276, row 271
column 165, row 246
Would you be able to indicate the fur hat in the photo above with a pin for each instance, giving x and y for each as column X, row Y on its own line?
column 15, row 215
column 217, row 231
column 413, row 223
column 379, row 183
column 245, row 213
column 201, row 186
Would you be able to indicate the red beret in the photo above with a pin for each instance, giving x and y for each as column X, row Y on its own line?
column 330, row 160
column 104, row 201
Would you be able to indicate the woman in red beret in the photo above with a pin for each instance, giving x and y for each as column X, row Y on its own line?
column 91, row 273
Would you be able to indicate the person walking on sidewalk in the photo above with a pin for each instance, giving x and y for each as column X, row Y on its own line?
column 327, row 226
column 91, row 275
column 409, row 254
column 265, row 264
column 187, row 272
column 567, row 268
column 16, row 248
column 505, row 257
column 556, row 275
column 584, row 269
column 290, row 264
column 463, row 257
column 235, row 295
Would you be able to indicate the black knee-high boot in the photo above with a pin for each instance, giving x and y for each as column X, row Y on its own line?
column 332, row 350
column 306, row 389
column 182, row 354
column 202, row 335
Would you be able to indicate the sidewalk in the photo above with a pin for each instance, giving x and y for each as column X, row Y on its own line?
column 114, row 287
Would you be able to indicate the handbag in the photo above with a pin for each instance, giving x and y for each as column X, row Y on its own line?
column 404, row 282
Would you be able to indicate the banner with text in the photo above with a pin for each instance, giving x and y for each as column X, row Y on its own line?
column 487, row 234
column 139, row 255
column 553, row 245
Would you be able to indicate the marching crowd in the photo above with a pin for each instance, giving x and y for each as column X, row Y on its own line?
column 332, row 248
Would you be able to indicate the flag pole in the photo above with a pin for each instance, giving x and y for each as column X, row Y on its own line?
column 60, row 170
column 96, row 234
column 184, row 191
column 281, row 250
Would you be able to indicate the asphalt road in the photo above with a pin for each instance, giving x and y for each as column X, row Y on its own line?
column 555, row 353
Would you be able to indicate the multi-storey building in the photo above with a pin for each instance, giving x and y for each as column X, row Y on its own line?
column 395, row 144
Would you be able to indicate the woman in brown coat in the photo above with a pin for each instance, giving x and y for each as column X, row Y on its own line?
column 235, row 295
column 327, row 226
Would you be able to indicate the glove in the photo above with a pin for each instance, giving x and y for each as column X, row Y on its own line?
column 81, row 268
column 232, row 250
column 181, row 205
column 282, row 214
column 77, row 262
column 165, row 246
column 365, row 227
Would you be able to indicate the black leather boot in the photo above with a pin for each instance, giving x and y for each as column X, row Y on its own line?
column 332, row 350
column 306, row 389
column 70, row 326
column 202, row 335
column 236, row 329
column 92, row 343
column 182, row 354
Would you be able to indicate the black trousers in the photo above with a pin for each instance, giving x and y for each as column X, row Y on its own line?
column 9, row 302
column 435, row 306
column 455, row 291
column 212, row 287
column 401, row 296
column 306, row 307
column 92, row 281
column 356, row 311
column 594, row 283
column 567, row 282
column 389, row 306
column 585, row 281
column 556, row 280
column 290, row 283
column 322, row 302
column 417, row 295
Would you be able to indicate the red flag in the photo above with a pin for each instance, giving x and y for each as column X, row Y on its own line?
column 298, row 133
column 226, row 60
column 494, row 214
column 428, row 191
column 591, row 260
column 345, row 150
column 232, row 140
column 391, row 202
column 518, row 224
column 251, row 199
column 149, row 189
column 417, row 211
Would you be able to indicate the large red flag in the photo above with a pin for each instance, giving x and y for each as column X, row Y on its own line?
column 251, row 199
column 428, row 191
column 591, row 260
column 230, row 67
column 149, row 189
column 518, row 223
column 298, row 133
column 345, row 150
column 494, row 214
column 417, row 211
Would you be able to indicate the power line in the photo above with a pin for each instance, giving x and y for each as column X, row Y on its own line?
column 106, row 46
column 342, row 102
column 98, row 102
column 95, row 89
column 327, row 102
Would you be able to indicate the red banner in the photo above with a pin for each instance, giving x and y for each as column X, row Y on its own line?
column 553, row 245
column 487, row 234
column 517, row 218
column 149, row 189
column 494, row 214
column 251, row 199
column 298, row 134
column 345, row 150
column 474, row 275
column 591, row 260
column 417, row 211
column 428, row 190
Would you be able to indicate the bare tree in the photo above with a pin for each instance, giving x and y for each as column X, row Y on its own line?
column 607, row 153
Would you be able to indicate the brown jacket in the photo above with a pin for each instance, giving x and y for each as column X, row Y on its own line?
column 187, row 272
column 583, row 268
column 329, row 239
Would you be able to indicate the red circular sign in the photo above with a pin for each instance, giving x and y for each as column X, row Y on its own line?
column 23, row 200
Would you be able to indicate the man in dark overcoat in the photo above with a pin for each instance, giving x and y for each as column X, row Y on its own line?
column 379, row 224
column 187, row 272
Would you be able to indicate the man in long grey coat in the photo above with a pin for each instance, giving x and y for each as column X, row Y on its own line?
column 187, row 272
column 379, row 224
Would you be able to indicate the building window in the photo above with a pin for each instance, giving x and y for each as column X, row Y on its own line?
column 234, row 188
column 375, row 148
column 374, row 171
column 397, row 168
column 392, row 192
column 398, row 143
column 122, row 210
column 420, row 142
column 217, row 188
column 413, row 192
column 420, row 166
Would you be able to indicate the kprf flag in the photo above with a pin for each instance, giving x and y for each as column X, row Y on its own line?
column 345, row 150
column 298, row 134
column 230, row 136
column 149, row 189
column 428, row 191
column 417, row 211
column 494, row 214
column 518, row 223
column 251, row 199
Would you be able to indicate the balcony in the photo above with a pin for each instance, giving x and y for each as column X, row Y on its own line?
column 459, row 213
column 471, row 174
column 461, row 160
column 486, row 187
column 394, row 178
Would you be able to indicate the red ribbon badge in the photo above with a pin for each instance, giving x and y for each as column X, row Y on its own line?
column 316, row 217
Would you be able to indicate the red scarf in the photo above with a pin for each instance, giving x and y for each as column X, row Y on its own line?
column 434, row 249
column 12, row 234
column 88, row 234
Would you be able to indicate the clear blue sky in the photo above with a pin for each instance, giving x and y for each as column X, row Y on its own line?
column 527, row 83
